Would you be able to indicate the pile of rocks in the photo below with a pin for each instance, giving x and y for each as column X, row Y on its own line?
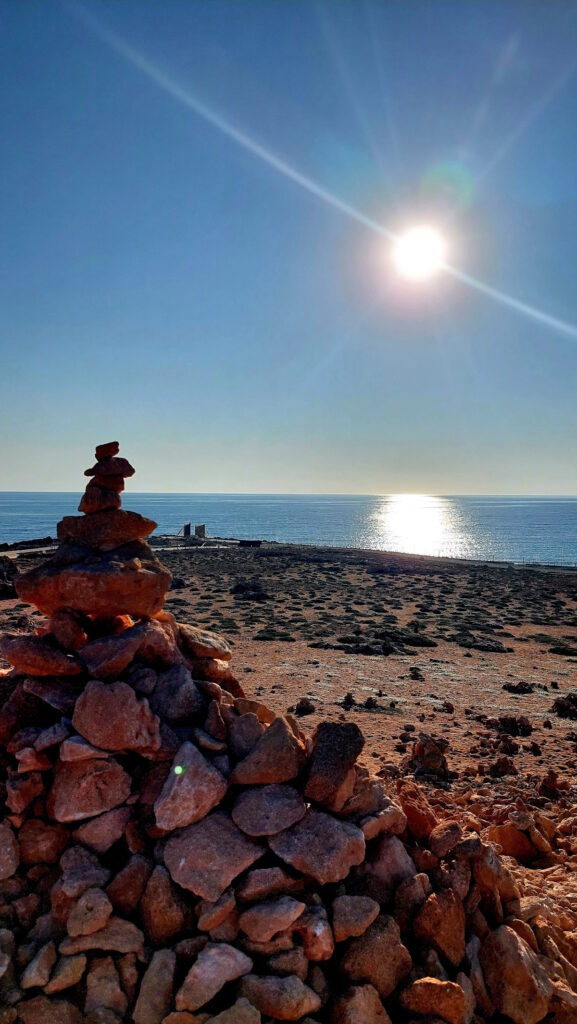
column 174, row 853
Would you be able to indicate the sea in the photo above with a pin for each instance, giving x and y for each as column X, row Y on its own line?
column 494, row 528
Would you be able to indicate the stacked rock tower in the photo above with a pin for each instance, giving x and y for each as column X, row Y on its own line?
column 172, row 852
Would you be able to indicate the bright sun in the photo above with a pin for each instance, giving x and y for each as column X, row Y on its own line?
column 419, row 253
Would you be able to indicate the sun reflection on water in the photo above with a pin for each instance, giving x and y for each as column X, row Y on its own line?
column 422, row 524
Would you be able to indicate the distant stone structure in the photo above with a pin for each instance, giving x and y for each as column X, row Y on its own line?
column 172, row 852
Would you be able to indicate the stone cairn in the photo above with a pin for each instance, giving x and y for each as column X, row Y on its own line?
column 172, row 852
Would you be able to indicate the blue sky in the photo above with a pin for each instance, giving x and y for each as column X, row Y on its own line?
column 161, row 284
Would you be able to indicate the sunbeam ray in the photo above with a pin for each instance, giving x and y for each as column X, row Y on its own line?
column 292, row 174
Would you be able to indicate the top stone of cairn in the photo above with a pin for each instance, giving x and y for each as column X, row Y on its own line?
column 105, row 451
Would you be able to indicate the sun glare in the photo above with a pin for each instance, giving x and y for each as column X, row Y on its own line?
column 419, row 253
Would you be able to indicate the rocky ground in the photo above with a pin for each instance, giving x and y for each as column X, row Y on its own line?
column 462, row 675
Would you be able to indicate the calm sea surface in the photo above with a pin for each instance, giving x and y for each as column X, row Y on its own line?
column 500, row 528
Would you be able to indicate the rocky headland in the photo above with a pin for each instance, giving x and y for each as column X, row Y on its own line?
column 175, row 849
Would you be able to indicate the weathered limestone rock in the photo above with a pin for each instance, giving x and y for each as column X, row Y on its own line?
column 320, row 846
column 378, row 957
column 105, row 530
column 100, row 587
column 164, row 913
column 264, row 920
column 155, row 995
column 112, row 717
column 336, row 748
column 352, row 915
column 441, row 923
column 192, row 789
column 68, row 972
column 38, row 655
column 90, row 913
column 108, row 656
column 216, row 964
column 176, row 695
column 430, row 997
column 390, row 864
column 277, row 757
column 421, row 818
column 281, row 998
column 517, row 983
column 101, row 833
column 9, row 851
column 268, row 810
column 445, row 837
column 205, row 857
column 87, row 788
column 117, row 936
column 199, row 643
column 316, row 934
column 263, row 882
column 38, row 970
column 360, row 1005
column 126, row 889
column 103, row 988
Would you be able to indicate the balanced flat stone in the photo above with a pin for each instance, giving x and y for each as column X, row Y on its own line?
column 320, row 846
column 84, row 789
column 268, row 810
column 111, row 466
column 192, row 789
column 98, row 499
column 105, row 530
column 105, row 451
column 112, row 717
column 102, row 587
column 205, row 857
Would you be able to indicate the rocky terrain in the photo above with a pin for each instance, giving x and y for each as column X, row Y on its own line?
column 179, row 848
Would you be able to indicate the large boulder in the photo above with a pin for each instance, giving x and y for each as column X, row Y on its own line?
column 112, row 717
column 205, row 857
column 516, row 981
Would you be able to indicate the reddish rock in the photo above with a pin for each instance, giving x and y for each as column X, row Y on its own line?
column 104, row 587
column 205, row 857
column 99, row 499
column 48, row 1011
column 113, row 483
column 268, row 810
column 31, row 760
column 352, row 915
column 108, row 656
column 315, row 933
column 9, row 851
column 293, row 961
column 242, row 1012
column 117, row 936
column 215, row 966
column 409, row 898
column 264, row 920
column 51, row 737
column 282, row 998
column 430, row 997
column 389, row 864
column 103, row 988
column 263, row 882
column 110, row 466
column 67, row 973
column 126, row 889
column 445, row 837
column 105, row 530
column 337, row 746
column 60, row 694
column 244, row 733
column 517, row 982
column 391, row 820
column 360, row 1005
column 158, row 646
column 90, row 913
column 105, row 451
column 68, row 629
column 211, row 915
column 101, row 833
column 192, row 789
column 320, row 846
column 22, row 790
column 378, row 957
column 513, row 842
column 441, row 923
column 112, row 717
column 165, row 913
column 421, row 818
column 87, row 788
column 41, row 843
column 155, row 995
column 38, row 970
column 175, row 695
column 199, row 643
column 76, row 748
column 38, row 655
